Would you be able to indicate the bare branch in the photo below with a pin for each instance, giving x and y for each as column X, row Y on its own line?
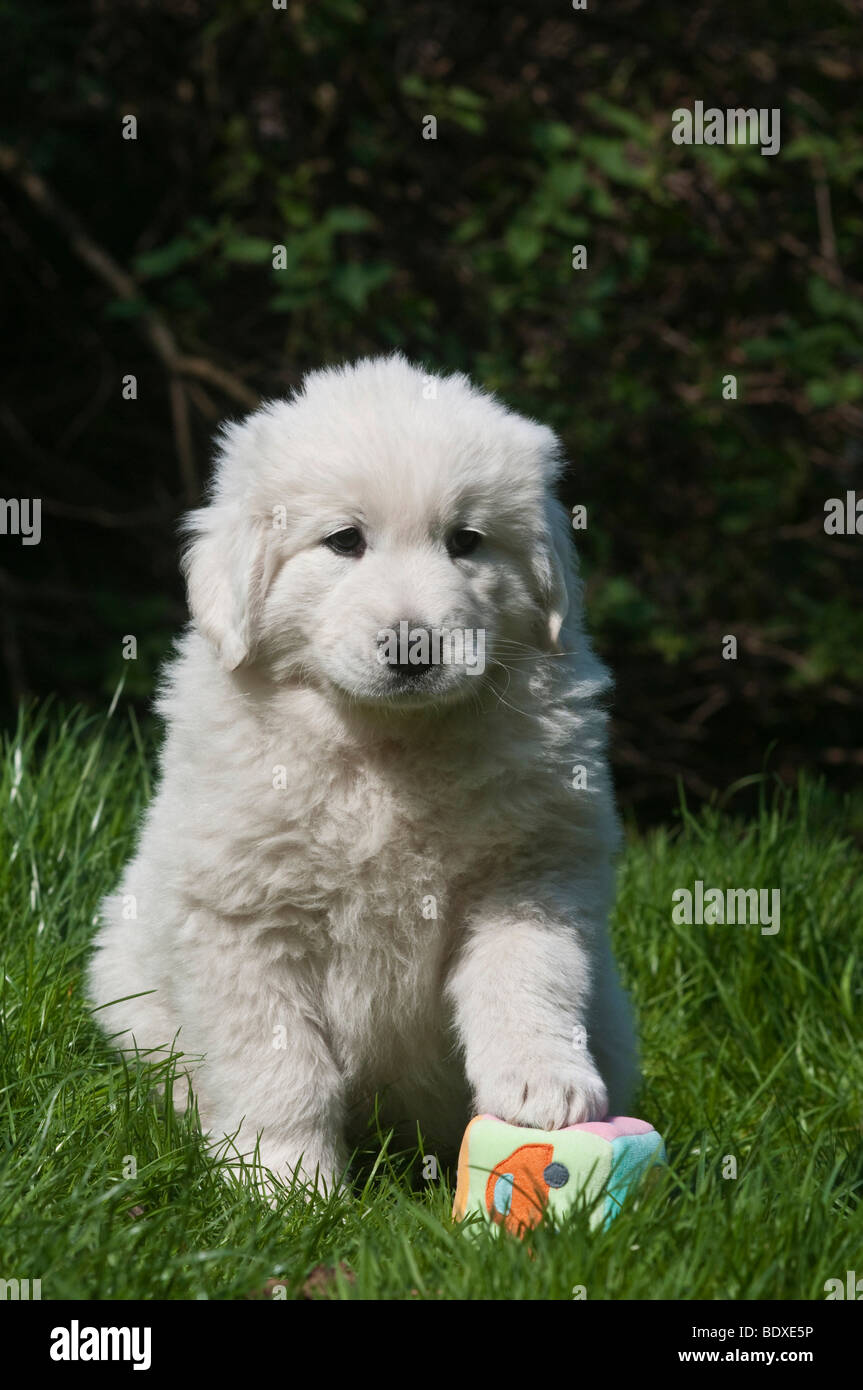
column 123, row 284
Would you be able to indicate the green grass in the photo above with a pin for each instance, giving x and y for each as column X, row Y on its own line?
column 751, row 1048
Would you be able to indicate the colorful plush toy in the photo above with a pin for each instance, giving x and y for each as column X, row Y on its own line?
column 512, row 1175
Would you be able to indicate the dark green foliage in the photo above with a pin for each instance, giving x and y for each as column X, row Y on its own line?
column 303, row 127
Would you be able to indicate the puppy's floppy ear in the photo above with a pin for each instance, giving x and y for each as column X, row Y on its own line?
column 229, row 559
column 223, row 565
column 557, row 572
column 555, row 563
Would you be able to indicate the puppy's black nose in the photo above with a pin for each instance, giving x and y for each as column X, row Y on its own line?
column 407, row 648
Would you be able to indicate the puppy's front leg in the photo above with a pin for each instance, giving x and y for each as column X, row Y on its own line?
column 268, row 1074
column 520, row 987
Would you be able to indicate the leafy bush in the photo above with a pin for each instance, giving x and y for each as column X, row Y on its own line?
column 304, row 127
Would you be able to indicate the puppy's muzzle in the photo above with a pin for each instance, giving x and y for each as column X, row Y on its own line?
column 412, row 656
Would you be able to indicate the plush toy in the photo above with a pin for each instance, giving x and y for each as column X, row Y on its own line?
column 512, row 1175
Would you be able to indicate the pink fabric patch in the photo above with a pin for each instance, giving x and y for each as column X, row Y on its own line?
column 615, row 1127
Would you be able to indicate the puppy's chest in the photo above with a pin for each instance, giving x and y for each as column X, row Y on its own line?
column 396, row 854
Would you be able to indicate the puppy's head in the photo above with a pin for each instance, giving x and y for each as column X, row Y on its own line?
column 384, row 536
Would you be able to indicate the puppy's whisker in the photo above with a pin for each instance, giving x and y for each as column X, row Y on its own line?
column 501, row 694
column 501, row 646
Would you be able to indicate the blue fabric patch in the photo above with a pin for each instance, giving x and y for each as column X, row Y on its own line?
column 503, row 1193
column 632, row 1155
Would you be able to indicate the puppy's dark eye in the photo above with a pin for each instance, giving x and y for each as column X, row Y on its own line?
column 463, row 542
column 349, row 541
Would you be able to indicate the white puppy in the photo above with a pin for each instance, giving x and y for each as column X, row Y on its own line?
column 362, row 873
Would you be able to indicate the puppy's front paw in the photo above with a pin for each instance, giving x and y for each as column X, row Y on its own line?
column 549, row 1097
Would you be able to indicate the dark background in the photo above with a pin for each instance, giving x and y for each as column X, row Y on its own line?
column 304, row 127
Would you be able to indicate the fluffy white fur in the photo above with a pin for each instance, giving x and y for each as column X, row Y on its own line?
column 310, row 819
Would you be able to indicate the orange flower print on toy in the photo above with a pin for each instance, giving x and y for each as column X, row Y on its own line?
column 517, row 1189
